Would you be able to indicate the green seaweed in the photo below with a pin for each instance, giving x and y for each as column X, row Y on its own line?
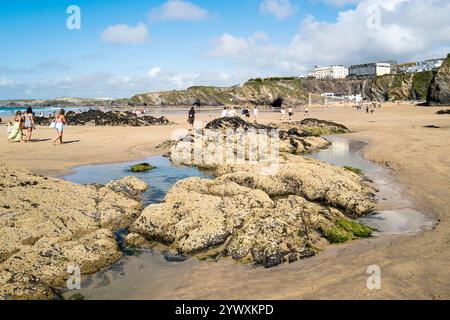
column 353, row 169
column 336, row 234
column 344, row 230
column 357, row 229
column 142, row 167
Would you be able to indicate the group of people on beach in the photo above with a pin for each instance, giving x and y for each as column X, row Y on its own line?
column 229, row 112
column 369, row 106
column 245, row 111
column 24, row 125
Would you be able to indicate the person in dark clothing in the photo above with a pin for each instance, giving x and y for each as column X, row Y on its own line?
column 191, row 117
column 197, row 103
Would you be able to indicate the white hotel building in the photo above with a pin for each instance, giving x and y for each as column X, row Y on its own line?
column 332, row 72
column 370, row 69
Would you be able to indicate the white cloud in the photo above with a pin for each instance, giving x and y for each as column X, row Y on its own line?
column 408, row 30
column 104, row 84
column 4, row 82
column 280, row 9
column 153, row 72
column 230, row 46
column 340, row 3
column 260, row 36
column 178, row 10
column 124, row 34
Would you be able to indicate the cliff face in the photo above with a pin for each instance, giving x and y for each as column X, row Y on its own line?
column 255, row 91
column 439, row 92
column 433, row 86
column 400, row 87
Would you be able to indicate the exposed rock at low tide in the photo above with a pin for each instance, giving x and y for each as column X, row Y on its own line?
column 443, row 111
column 320, row 127
column 47, row 225
column 263, row 212
column 134, row 240
column 130, row 187
column 245, row 141
column 235, row 123
column 312, row 179
column 112, row 118
column 258, row 218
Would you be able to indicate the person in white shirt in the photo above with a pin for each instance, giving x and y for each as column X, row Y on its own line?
column 224, row 112
column 256, row 113
column 283, row 113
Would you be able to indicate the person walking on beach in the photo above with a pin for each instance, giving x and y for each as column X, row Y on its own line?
column 224, row 112
column 247, row 112
column 290, row 113
column 191, row 117
column 16, row 132
column 306, row 110
column 283, row 113
column 60, row 121
column 29, row 124
column 255, row 113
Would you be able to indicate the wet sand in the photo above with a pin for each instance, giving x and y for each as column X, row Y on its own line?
column 413, row 267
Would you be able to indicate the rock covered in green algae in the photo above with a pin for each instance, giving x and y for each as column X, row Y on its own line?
column 141, row 167
column 47, row 224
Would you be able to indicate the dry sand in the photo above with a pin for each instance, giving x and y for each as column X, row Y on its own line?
column 413, row 267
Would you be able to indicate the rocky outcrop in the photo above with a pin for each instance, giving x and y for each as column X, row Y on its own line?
column 439, row 92
column 255, row 216
column 235, row 123
column 233, row 140
column 311, row 179
column 443, row 111
column 263, row 212
column 112, row 118
column 130, row 187
column 48, row 225
column 315, row 127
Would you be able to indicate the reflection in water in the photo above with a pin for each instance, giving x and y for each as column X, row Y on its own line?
column 340, row 148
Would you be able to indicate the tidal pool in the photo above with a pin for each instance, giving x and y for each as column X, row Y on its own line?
column 160, row 180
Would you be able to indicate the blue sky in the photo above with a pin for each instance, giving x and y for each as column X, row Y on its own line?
column 127, row 47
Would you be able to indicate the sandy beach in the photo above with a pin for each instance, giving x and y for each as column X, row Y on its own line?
column 413, row 267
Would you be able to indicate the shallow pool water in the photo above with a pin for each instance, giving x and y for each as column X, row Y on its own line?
column 160, row 180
